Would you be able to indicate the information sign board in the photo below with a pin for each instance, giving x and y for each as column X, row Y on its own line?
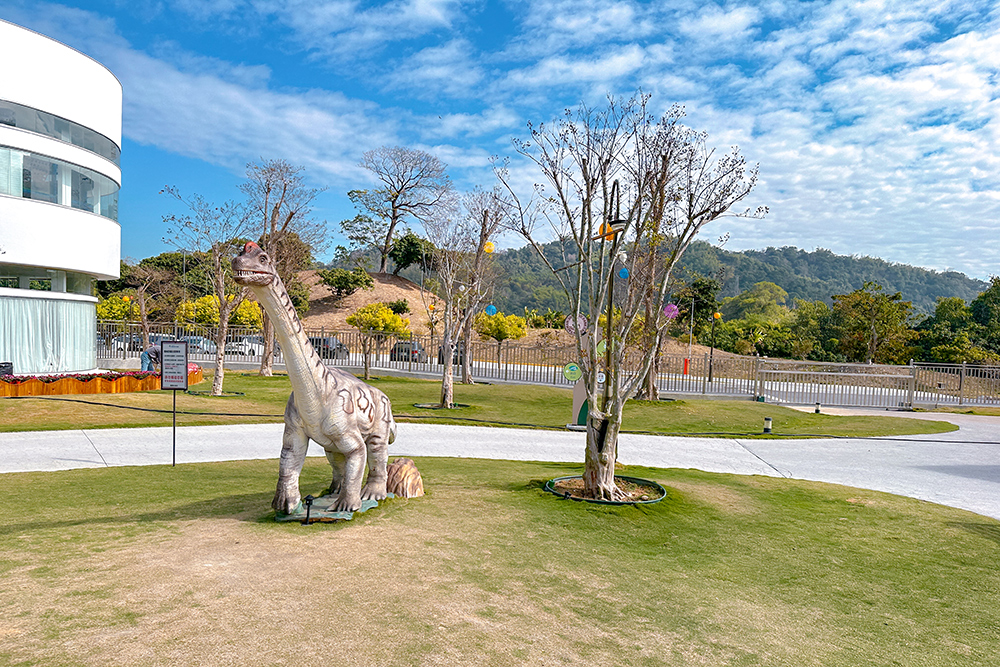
column 174, row 362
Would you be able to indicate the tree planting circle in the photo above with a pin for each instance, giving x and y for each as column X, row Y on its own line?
column 658, row 492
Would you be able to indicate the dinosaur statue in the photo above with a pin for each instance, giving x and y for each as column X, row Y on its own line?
column 351, row 420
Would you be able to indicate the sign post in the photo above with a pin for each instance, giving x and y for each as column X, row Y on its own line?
column 174, row 375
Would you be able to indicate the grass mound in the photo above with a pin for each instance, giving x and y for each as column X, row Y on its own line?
column 160, row 565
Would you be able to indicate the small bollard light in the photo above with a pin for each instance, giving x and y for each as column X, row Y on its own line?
column 817, row 408
column 767, row 424
column 308, row 500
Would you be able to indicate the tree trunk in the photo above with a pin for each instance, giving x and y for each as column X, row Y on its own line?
column 649, row 390
column 467, row 353
column 267, row 356
column 599, row 464
column 220, row 354
column 448, row 382
column 366, row 353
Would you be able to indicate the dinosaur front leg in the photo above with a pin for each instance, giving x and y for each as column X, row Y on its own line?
column 349, row 498
column 294, row 445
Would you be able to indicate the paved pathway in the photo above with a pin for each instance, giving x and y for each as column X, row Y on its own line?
column 960, row 469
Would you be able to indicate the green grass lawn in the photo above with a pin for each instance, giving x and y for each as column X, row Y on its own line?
column 528, row 405
column 184, row 566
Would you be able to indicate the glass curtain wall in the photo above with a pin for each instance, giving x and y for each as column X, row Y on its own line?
column 41, row 122
column 39, row 177
column 48, row 335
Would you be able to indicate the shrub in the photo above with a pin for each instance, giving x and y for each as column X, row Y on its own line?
column 343, row 282
column 399, row 306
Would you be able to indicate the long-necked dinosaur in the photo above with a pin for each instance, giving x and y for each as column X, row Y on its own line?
column 350, row 419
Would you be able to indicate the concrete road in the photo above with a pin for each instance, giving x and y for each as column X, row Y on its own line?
column 960, row 469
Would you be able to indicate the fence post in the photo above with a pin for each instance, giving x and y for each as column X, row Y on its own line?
column 912, row 383
column 704, row 376
column 757, row 379
column 961, row 383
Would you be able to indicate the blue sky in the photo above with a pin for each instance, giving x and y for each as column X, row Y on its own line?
column 876, row 124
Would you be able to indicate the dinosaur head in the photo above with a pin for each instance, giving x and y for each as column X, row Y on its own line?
column 252, row 267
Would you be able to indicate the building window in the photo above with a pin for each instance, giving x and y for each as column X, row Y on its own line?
column 40, row 177
column 41, row 122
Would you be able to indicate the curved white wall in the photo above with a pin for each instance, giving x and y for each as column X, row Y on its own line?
column 54, row 331
column 53, row 77
column 35, row 233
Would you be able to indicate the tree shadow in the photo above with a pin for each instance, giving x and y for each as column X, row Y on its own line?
column 248, row 507
column 988, row 530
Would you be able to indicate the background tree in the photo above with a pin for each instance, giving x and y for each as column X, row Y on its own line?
column 763, row 302
column 985, row 310
column 376, row 322
column 696, row 302
column 150, row 283
column 408, row 250
column 280, row 206
column 500, row 328
column 462, row 259
column 216, row 231
column 114, row 308
column 661, row 184
column 873, row 324
column 412, row 184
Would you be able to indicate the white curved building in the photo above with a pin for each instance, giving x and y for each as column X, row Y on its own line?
column 60, row 141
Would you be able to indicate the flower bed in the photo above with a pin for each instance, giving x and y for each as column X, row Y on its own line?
column 111, row 382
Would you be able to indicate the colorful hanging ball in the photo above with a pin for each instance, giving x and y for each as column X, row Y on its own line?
column 491, row 310
column 489, row 247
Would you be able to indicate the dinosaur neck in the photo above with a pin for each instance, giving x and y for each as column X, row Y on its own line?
column 305, row 369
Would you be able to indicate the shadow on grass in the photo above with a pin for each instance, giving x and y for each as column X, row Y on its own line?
column 987, row 530
column 249, row 507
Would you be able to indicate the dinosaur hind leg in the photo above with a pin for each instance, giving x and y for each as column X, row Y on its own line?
column 349, row 498
column 378, row 458
column 338, row 462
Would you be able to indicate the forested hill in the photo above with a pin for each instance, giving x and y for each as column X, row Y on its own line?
column 812, row 276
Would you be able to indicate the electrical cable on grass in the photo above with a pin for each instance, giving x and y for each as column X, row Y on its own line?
column 487, row 422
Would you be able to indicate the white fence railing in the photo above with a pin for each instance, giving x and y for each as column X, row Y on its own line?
column 771, row 380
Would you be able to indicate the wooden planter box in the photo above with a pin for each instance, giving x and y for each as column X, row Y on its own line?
column 70, row 385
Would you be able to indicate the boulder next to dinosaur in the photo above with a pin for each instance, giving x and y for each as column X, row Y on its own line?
column 403, row 479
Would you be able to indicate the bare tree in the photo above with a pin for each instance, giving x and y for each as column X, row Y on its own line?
column 218, row 231
column 149, row 282
column 413, row 184
column 462, row 260
column 280, row 205
column 627, row 192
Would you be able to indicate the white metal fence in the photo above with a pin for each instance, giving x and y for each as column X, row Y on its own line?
column 771, row 380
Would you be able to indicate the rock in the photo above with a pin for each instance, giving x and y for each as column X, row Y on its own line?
column 404, row 479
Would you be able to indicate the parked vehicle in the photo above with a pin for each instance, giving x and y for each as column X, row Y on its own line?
column 130, row 342
column 200, row 345
column 329, row 347
column 457, row 353
column 249, row 346
column 408, row 350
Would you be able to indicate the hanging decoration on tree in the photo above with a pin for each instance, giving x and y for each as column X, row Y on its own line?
column 489, row 247
column 491, row 310
column 623, row 273
column 671, row 310
column 579, row 324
